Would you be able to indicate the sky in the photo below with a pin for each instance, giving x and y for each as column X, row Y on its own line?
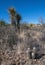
column 30, row 10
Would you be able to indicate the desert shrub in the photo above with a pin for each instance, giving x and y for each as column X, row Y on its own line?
column 31, row 25
column 12, row 40
column 2, row 23
column 25, row 26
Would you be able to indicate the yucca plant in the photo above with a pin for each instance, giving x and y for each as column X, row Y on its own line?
column 12, row 12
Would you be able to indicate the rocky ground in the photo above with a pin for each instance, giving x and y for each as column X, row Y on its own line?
column 14, row 45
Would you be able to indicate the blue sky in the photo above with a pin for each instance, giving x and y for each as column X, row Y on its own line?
column 30, row 10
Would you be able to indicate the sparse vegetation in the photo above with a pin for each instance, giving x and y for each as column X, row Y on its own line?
column 20, row 48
